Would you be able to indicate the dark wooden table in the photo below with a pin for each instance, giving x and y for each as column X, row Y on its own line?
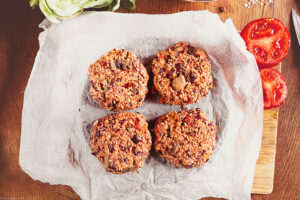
column 19, row 45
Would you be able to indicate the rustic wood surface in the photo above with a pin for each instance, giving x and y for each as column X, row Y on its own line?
column 18, row 46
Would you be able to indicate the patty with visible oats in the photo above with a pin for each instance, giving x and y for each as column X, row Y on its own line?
column 182, row 74
column 118, row 80
column 186, row 138
column 121, row 141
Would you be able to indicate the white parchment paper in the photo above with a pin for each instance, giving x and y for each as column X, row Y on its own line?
column 58, row 111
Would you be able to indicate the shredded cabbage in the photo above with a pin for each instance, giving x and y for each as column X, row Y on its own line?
column 55, row 10
column 128, row 4
column 115, row 5
column 97, row 3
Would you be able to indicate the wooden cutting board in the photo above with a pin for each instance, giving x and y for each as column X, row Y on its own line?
column 264, row 171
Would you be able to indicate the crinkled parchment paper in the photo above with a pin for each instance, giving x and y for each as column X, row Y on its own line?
column 58, row 110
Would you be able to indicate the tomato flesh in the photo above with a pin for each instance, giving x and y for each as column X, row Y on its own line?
column 268, row 40
column 274, row 88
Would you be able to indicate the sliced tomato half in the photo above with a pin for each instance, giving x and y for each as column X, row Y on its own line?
column 268, row 40
column 274, row 88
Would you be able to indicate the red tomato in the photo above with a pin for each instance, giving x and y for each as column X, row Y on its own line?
column 268, row 40
column 274, row 88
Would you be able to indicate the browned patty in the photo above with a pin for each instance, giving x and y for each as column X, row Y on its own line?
column 186, row 138
column 118, row 80
column 182, row 74
column 121, row 141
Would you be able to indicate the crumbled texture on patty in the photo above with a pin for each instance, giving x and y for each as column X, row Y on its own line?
column 186, row 138
column 182, row 74
column 121, row 141
column 118, row 80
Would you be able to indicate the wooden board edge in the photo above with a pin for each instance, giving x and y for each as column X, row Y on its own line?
column 267, row 188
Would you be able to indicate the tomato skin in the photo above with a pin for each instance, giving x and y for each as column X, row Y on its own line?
column 274, row 86
column 268, row 40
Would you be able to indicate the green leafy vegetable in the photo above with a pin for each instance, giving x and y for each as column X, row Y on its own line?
column 55, row 10
column 115, row 5
column 98, row 3
column 47, row 11
column 65, row 8
column 128, row 4
column 33, row 3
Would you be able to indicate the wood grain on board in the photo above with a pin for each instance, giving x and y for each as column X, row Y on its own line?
column 264, row 170
column 19, row 44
